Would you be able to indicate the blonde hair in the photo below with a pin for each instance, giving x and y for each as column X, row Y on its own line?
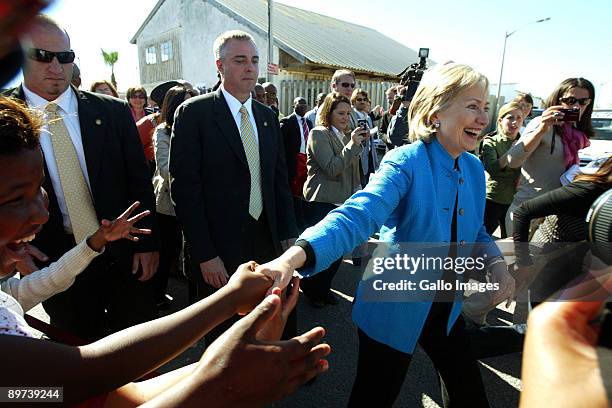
column 438, row 88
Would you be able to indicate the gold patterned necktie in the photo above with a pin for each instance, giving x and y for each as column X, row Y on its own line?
column 251, row 149
column 76, row 193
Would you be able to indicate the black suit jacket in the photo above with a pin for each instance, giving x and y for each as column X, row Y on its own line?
column 292, row 136
column 118, row 175
column 210, row 179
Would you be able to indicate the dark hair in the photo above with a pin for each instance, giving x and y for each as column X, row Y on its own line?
column 131, row 91
column 174, row 97
column 585, row 121
column 19, row 127
column 603, row 175
column 332, row 100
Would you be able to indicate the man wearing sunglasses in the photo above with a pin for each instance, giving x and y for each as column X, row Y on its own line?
column 95, row 167
column 342, row 81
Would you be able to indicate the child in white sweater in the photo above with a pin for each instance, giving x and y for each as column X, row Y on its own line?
column 40, row 285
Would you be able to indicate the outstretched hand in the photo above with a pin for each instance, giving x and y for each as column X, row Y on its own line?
column 120, row 227
column 273, row 329
column 259, row 372
column 123, row 226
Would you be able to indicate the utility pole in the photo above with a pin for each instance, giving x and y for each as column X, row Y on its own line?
column 270, row 40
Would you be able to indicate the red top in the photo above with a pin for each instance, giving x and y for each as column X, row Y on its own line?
column 146, row 126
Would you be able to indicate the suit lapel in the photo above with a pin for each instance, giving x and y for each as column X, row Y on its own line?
column 336, row 142
column 92, row 134
column 265, row 144
column 227, row 125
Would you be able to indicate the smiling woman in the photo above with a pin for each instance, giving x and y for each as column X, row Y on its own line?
column 432, row 190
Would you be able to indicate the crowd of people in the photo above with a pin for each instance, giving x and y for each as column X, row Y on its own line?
column 239, row 196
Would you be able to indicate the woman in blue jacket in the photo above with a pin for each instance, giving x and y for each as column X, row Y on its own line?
column 429, row 191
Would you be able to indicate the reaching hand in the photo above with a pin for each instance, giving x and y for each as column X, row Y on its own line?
column 273, row 329
column 248, row 287
column 123, row 226
column 279, row 270
column 259, row 372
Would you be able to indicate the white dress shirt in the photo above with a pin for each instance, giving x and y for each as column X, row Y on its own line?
column 235, row 105
column 69, row 111
column 338, row 134
column 303, row 140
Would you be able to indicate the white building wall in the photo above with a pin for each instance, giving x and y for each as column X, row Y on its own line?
column 202, row 24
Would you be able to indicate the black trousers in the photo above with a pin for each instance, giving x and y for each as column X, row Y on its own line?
column 495, row 216
column 256, row 245
column 381, row 369
column 171, row 240
column 318, row 285
column 105, row 298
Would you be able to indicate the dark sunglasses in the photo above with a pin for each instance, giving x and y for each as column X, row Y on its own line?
column 139, row 96
column 361, row 99
column 347, row 85
column 63, row 57
column 570, row 100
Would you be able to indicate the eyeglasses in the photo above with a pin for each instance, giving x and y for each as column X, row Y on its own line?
column 63, row 57
column 361, row 99
column 139, row 96
column 570, row 100
column 347, row 84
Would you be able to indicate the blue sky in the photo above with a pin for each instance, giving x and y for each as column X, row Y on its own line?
column 577, row 41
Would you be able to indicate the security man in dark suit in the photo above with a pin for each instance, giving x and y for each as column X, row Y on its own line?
column 295, row 129
column 228, row 172
column 95, row 169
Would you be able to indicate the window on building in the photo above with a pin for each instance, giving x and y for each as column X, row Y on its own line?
column 151, row 55
column 166, row 51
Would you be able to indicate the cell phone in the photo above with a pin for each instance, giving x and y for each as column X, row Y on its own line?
column 363, row 123
column 570, row 114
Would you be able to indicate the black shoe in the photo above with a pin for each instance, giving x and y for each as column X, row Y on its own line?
column 165, row 302
column 330, row 298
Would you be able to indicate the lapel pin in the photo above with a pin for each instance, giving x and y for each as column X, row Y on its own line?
column 265, row 123
column 98, row 122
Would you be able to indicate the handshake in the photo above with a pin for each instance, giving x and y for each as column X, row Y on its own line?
column 250, row 358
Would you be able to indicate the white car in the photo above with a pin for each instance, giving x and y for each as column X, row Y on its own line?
column 601, row 142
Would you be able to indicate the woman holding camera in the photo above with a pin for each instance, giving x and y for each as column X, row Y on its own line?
column 501, row 178
column 332, row 162
column 430, row 191
column 551, row 142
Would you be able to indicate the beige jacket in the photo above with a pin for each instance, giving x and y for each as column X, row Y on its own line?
column 161, row 180
column 332, row 165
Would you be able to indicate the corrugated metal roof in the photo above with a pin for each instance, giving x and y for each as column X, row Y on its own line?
column 326, row 40
column 320, row 39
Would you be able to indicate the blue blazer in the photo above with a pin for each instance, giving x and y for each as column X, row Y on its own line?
column 409, row 199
